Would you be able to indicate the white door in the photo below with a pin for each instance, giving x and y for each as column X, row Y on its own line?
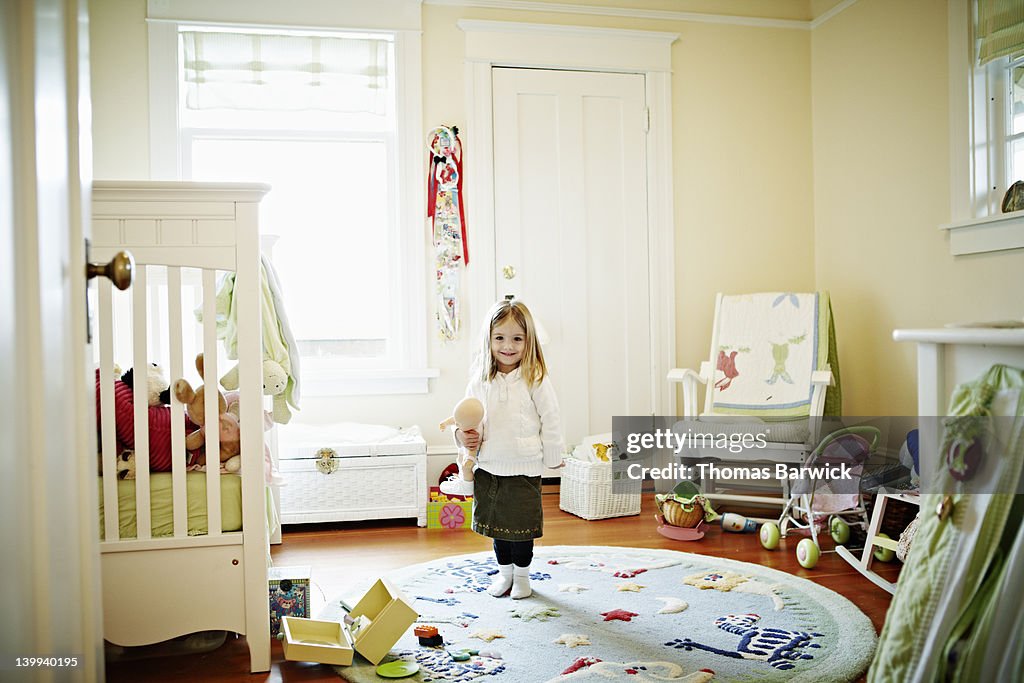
column 571, row 233
column 48, row 492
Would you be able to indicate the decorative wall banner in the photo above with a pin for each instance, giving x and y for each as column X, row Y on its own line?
column 448, row 225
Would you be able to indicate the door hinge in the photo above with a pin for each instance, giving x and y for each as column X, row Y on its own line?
column 647, row 119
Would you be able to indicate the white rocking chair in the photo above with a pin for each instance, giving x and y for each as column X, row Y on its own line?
column 767, row 374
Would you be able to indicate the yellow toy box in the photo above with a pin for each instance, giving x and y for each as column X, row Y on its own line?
column 444, row 512
column 379, row 619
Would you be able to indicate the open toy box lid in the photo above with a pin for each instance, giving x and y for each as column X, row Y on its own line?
column 349, row 439
column 382, row 615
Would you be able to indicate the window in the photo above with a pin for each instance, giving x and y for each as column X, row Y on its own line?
column 996, row 86
column 999, row 126
column 986, row 90
column 276, row 108
column 325, row 118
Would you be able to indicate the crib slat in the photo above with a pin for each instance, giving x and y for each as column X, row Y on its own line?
column 108, row 445
column 210, row 378
column 140, row 402
column 178, row 460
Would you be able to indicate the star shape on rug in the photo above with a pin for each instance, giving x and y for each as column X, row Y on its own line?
column 630, row 586
column 672, row 605
column 538, row 612
column 487, row 634
column 620, row 614
column 572, row 587
column 573, row 639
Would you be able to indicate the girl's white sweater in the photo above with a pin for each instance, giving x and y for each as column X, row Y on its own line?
column 522, row 429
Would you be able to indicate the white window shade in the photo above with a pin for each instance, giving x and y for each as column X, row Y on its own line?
column 225, row 70
column 1000, row 28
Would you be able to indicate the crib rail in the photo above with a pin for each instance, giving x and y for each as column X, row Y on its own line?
column 180, row 245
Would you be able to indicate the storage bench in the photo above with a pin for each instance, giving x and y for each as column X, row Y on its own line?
column 349, row 472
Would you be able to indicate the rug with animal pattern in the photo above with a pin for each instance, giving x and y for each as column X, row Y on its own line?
column 624, row 614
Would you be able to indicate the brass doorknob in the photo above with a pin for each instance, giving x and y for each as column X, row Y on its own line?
column 119, row 270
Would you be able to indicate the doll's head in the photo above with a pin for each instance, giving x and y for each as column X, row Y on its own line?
column 509, row 340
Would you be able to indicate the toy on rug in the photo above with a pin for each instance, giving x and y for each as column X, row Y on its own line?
column 467, row 417
column 428, row 635
column 195, row 408
column 275, row 381
column 158, row 418
column 682, row 513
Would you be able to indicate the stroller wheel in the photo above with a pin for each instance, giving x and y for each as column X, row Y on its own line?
column 807, row 553
column 839, row 529
column 769, row 535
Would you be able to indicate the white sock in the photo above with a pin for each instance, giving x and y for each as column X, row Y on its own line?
column 521, row 583
column 502, row 581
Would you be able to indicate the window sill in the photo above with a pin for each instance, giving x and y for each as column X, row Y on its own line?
column 327, row 381
column 992, row 233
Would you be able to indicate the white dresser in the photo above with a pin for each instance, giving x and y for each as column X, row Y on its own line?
column 947, row 356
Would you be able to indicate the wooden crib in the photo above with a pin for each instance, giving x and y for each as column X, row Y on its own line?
column 195, row 569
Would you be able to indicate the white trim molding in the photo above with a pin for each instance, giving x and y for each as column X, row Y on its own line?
column 491, row 44
column 501, row 43
column 659, row 15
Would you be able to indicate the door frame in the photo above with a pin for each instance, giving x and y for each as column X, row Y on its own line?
column 492, row 44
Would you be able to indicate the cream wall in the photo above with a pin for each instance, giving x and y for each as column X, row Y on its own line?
column 881, row 189
column 741, row 144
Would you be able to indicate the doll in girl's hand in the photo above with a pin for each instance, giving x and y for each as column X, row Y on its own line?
column 467, row 417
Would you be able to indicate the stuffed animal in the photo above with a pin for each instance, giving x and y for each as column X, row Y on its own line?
column 126, row 464
column 195, row 407
column 159, row 421
column 234, row 464
column 157, row 388
column 275, row 381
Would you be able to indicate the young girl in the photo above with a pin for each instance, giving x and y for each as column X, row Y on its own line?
column 520, row 436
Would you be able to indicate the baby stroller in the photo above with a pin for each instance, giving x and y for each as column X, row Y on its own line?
column 820, row 499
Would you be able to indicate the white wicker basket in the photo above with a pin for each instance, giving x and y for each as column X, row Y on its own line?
column 591, row 490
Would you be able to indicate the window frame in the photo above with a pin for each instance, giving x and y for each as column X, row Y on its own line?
column 977, row 161
column 328, row 377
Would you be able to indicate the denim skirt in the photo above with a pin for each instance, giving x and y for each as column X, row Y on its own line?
column 507, row 508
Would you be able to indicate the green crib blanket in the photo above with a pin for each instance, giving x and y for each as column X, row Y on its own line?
column 948, row 618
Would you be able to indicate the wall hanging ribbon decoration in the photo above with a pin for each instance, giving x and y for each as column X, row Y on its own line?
column 448, row 225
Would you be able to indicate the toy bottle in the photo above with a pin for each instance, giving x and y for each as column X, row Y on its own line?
column 738, row 523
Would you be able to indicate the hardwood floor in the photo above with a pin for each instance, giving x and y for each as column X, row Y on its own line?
column 344, row 554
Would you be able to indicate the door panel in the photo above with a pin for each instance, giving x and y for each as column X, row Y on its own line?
column 571, row 219
column 48, row 491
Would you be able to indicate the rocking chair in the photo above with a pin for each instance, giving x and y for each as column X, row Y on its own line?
column 772, row 358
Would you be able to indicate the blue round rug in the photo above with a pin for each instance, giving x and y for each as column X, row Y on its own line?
column 629, row 614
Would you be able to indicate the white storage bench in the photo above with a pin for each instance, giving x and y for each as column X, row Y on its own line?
column 348, row 472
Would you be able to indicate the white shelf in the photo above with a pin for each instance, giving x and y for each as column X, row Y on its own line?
column 992, row 233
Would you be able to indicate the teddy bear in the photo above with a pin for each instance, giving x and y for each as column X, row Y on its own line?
column 195, row 408
column 158, row 389
column 275, row 382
